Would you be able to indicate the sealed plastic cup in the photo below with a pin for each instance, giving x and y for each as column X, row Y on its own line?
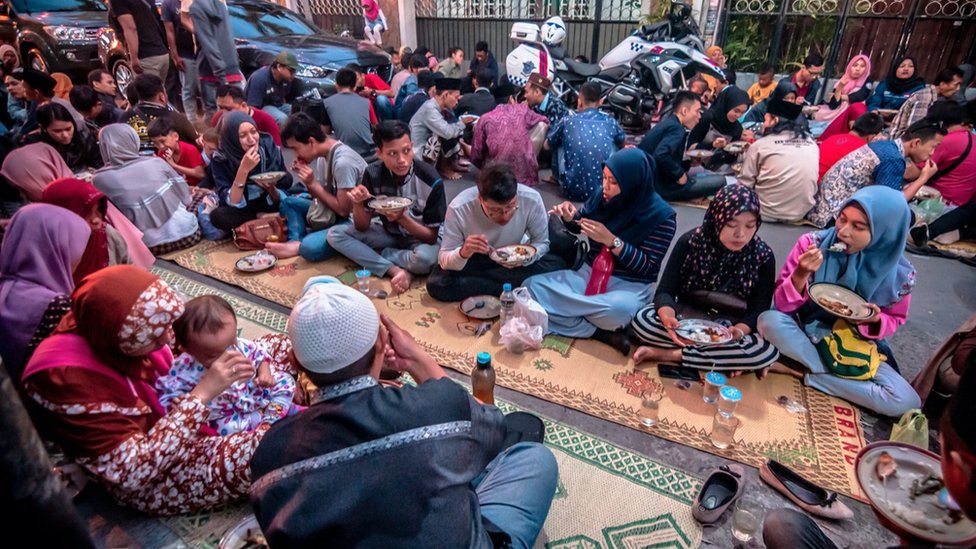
column 728, row 399
column 713, row 382
column 362, row 280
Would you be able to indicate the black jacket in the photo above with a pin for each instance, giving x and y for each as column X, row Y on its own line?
column 666, row 144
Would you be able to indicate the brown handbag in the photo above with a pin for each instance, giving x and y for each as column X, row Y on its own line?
column 252, row 235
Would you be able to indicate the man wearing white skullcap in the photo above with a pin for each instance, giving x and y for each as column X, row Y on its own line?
column 373, row 466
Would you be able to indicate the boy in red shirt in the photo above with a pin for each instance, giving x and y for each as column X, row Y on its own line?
column 183, row 157
column 379, row 93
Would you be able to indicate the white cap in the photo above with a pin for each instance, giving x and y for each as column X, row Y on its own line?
column 332, row 325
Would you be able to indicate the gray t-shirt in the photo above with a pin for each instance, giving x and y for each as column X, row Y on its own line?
column 465, row 217
column 349, row 117
column 349, row 168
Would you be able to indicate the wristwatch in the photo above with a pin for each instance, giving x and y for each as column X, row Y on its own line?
column 617, row 243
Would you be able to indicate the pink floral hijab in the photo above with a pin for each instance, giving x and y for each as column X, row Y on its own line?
column 852, row 85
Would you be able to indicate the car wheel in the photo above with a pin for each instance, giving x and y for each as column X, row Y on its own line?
column 123, row 74
column 35, row 60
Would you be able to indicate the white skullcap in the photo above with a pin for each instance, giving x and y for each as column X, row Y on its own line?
column 332, row 325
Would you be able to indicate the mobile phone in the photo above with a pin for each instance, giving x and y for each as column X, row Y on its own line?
column 678, row 372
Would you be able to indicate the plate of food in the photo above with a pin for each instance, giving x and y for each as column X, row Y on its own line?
column 482, row 307
column 810, row 110
column 927, row 193
column 703, row 332
column 267, row 178
column 515, row 254
column 389, row 203
column 736, row 147
column 904, row 486
column 839, row 301
column 260, row 261
column 700, row 154
column 245, row 535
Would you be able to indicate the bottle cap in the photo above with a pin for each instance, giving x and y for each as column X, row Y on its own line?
column 715, row 378
column 507, row 287
column 731, row 393
column 484, row 358
column 363, row 273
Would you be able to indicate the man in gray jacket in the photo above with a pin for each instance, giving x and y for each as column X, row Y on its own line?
column 217, row 62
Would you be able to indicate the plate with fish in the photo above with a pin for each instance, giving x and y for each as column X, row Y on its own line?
column 904, row 486
column 703, row 332
column 515, row 254
column 246, row 534
column 257, row 262
column 481, row 307
column 389, row 203
column 267, row 178
column 839, row 301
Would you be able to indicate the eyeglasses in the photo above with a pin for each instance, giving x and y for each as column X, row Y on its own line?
column 498, row 212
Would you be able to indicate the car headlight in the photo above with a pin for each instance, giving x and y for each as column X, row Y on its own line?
column 62, row 32
column 106, row 36
column 312, row 71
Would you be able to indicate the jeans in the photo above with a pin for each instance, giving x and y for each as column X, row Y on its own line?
column 789, row 529
column 888, row 394
column 314, row 246
column 962, row 219
column 516, row 489
column 191, row 88
column 393, row 250
column 698, row 186
column 279, row 113
column 482, row 276
column 383, row 107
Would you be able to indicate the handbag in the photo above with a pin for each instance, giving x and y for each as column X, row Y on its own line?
column 252, row 235
column 710, row 304
column 319, row 215
column 848, row 356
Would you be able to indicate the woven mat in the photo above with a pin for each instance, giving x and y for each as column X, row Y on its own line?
column 961, row 248
column 595, row 476
column 588, row 376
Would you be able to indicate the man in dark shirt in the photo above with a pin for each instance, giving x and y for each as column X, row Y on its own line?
column 104, row 85
column 807, row 79
column 153, row 104
column 426, row 88
column 183, row 53
column 142, row 31
column 479, row 102
column 373, row 466
column 666, row 144
column 273, row 88
column 483, row 59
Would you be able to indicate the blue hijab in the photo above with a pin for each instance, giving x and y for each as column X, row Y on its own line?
column 638, row 209
column 879, row 273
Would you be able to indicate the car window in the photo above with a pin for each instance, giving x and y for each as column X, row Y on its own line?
column 258, row 23
column 35, row 6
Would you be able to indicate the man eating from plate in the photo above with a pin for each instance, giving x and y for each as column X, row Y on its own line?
column 499, row 212
column 401, row 242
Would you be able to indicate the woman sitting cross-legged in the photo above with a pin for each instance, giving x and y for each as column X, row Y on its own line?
column 872, row 228
column 721, row 271
column 635, row 226
column 245, row 152
column 90, row 390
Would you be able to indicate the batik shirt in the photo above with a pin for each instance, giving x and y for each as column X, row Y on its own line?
column 913, row 109
column 503, row 135
column 242, row 406
column 552, row 108
column 586, row 140
column 877, row 163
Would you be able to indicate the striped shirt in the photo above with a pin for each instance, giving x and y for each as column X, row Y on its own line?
column 641, row 263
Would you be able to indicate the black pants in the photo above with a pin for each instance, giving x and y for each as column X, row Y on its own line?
column 789, row 529
column 962, row 219
column 698, row 186
column 228, row 218
column 482, row 276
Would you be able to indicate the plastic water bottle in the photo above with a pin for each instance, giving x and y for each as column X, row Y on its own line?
column 483, row 379
column 507, row 304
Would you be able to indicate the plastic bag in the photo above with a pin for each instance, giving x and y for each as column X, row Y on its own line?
column 912, row 428
column 530, row 309
column 928, row 210
column 528, row 325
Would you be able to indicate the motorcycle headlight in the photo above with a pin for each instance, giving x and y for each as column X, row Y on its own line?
column 311, row 71
column 62, row 32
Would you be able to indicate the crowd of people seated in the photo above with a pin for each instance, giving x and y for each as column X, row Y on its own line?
column 96, row 186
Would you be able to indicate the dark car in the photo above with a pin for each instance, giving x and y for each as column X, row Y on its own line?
column 55, row 35
column 263, row 29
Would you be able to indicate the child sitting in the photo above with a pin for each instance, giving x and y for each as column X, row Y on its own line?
column 183, row 157
column 206, row 331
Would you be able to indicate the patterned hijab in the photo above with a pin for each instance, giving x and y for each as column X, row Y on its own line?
column 711, row 266
column 879, row 273
column 121, row 311
column 79, row 196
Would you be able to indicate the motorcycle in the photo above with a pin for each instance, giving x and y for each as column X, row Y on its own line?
column 678, row 27
column 540, row 50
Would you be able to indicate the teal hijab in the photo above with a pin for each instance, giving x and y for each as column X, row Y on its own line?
column 879, row 273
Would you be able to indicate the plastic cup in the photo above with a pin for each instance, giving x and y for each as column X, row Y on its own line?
column 728, row 399
column 650, row 406
column 362, row 280
column 713, row 382
column 723, row 431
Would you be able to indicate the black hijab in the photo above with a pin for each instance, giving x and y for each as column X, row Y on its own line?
column 638, row 209
column 730, row 98
column 899, row 86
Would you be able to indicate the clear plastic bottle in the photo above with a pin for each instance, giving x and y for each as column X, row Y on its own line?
column 507, row 304
column 483, row 379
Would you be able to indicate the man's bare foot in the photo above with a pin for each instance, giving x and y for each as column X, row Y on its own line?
column 461, row 163
column 449, row 174
column 267, row 214
column 780, row 368
column 655, row 354
column 550, row 180
column 283, row 250
column 400, row 279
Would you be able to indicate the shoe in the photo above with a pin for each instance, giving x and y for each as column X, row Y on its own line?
column 919, row 235
column 720, row 490
column 617, row 339
column 805, row 494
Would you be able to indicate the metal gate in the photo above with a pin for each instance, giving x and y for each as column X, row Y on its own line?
column 938, row 33
column 592, row 26
column 337, row 16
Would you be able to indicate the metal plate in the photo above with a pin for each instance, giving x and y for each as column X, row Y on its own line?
column 255, row 263
column 703, row 332
column 513, row 254
column 387, row 203
column 833, row 292
column 481, row 307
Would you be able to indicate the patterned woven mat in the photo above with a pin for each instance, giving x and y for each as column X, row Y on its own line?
column 595, row 476
column 592, row 378
column 961, row 248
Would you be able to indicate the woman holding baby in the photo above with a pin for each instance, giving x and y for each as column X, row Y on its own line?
column 92, row 388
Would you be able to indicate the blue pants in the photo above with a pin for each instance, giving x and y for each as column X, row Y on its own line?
column 191, row 88
column 383, row 107
column 887, row 394
column 516, row 489
column 378, row 250
column 279, row 113
column 314, row 246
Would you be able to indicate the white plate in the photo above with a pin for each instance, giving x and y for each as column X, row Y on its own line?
column 736, row 147
column 237, row 537
column 700, row 154
column 482, row 307
column 913, row 463
column 267, row 178
column 701, row 332
column 833, row 292
column 386, row 203
column 513, row 254
column 927, row 193
column 254, row 263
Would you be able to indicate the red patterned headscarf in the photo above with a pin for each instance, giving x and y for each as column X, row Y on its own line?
column 79, row 196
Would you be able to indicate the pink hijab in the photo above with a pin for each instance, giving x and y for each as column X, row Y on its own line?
column 372, row 9
column 827, row 114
